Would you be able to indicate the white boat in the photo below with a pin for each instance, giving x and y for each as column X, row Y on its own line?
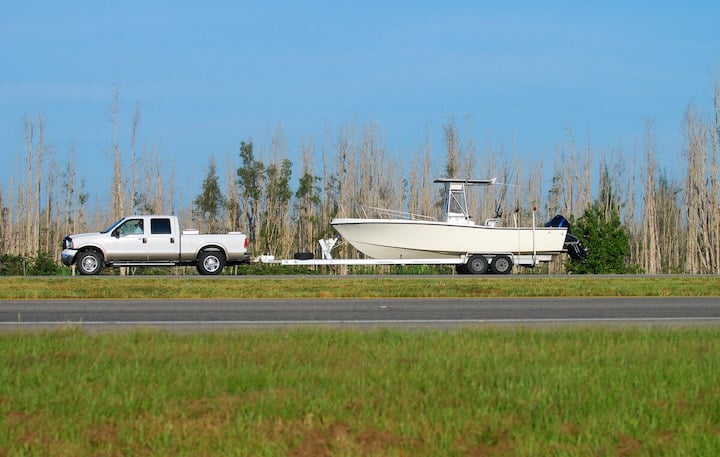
column 404, row 236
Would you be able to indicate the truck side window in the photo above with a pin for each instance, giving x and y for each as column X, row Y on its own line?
column 160, row 226
column 132, row 226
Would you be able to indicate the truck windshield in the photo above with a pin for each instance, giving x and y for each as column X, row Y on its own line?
column 113, row 225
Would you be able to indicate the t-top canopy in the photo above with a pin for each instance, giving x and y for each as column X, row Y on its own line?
column 467, row 182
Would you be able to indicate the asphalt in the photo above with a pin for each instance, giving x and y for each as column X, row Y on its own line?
column 445, row 312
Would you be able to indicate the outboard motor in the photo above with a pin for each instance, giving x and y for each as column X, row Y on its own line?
column 572, row 244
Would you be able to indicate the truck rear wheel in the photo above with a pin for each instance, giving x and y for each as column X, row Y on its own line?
column 89, row 263
column 210, row 262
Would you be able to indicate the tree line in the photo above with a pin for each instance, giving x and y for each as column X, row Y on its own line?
column 670, row 221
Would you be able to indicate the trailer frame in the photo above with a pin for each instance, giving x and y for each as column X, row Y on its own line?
column 328, row 244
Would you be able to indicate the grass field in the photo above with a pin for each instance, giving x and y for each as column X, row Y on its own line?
column 323, row 392
column 352, row 286
column 345, row 393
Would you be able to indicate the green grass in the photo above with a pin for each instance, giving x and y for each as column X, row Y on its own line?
column 315, row 392
column 386, row 392
column 349, row 286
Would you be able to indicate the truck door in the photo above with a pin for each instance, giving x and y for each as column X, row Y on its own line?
column 162, row 244
column 126, row 241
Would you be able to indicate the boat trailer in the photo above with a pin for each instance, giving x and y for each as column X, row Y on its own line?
column 466, row 263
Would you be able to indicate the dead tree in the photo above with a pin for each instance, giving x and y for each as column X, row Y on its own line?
column 650, row 257
column 117, row 189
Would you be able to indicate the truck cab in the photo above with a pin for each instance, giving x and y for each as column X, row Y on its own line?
column 148, row 238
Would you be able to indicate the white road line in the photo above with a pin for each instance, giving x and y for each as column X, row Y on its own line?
column 361, row 321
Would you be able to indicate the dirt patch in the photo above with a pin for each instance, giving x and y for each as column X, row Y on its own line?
column 500, row 446
column 17, row 417
column 102, row 435
column 340, row 439
column 628, row 446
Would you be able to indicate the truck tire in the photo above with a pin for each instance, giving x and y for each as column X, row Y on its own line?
column 501, row 264
column 477, row 265
column 89, row 262
column 210, row 262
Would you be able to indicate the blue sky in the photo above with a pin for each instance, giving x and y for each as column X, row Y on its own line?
column 211, row 74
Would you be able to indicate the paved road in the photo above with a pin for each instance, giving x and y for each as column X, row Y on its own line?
column 202, row 314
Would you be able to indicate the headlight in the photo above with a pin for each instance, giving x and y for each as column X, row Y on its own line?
column 67, row 243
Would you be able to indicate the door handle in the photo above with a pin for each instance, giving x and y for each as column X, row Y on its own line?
column 144, row 240
column 172, row 240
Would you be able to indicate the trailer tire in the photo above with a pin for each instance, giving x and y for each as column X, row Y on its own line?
column 210, row 262
column 501, row 264
column 89, row 262
column 477, row 265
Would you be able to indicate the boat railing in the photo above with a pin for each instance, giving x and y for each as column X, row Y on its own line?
column 374, row 212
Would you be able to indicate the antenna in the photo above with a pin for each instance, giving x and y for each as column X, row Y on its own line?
column 503, row 194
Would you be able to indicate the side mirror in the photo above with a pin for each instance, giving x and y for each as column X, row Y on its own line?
column 116, row 233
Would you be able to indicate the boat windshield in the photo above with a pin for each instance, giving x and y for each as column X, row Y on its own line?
column 113, row 225
column 455, row 205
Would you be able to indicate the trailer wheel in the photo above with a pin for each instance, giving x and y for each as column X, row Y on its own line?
column 501, row 264
column 210, row 262
column 477, row 265
column 89, row 262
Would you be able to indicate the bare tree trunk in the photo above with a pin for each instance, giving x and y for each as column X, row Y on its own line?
column 15, row 205
column 714, row 197
column 427, row 175
column 69, row 223
column 695, row 193
column 133, row 161
column 117, row 191
column 452, row 143
column 275, row 231
column 29, row 198
column 651, row 260
column 3, row 224
column 303, row 239
column 50, row 228
column 232, row 215
column 38, row 185
column 345, row 178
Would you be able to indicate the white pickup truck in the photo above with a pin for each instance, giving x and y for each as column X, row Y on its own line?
column 142, row 241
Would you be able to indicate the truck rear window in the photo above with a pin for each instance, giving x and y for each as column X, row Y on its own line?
column 160, row 226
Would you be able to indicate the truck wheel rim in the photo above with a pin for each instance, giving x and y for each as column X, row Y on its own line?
column 89, row 263
column 211, row 263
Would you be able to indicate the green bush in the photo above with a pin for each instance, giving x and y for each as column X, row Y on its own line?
column 607, row 240
column 41, row 265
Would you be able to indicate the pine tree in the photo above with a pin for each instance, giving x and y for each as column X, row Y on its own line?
column 210, row 203
column 307, row 202
column 601, row 231
column 250, row 179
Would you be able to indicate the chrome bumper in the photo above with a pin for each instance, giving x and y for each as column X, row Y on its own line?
column 68, row 256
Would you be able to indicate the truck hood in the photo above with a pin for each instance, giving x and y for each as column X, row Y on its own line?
column 82, row 238
column 79, row 236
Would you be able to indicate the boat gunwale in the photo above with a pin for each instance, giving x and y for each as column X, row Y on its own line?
column 356, row 221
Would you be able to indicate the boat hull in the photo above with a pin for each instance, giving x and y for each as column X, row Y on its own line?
column 412, row 239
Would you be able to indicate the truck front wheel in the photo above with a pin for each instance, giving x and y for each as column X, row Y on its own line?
column 89, row 263
column 210, row 262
